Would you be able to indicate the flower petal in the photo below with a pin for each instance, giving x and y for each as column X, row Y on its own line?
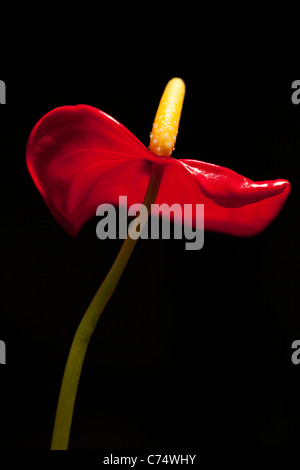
column 233, row 204
column 79, row 157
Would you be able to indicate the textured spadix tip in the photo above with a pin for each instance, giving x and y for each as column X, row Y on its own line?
column 166, row 122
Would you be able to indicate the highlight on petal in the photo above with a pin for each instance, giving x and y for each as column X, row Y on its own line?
column 80, row 157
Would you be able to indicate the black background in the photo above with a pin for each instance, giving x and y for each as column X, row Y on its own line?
column 194, row 348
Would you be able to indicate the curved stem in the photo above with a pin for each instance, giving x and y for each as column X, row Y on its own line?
column 68, row 391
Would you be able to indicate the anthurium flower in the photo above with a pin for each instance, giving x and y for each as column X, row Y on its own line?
column 80, row 157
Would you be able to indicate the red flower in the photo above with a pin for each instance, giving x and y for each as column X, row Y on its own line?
column 79, row 157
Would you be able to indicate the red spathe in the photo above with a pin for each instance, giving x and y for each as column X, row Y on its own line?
column 79, row 157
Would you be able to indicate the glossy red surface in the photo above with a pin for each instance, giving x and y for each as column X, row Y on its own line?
column 79, row 157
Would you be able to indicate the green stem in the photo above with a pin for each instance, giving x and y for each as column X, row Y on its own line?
column 68, row 391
